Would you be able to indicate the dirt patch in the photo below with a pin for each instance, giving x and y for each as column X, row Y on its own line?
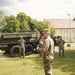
column 4, row 56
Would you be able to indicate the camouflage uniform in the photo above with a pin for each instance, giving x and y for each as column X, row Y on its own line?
column 48, row 46
column 41, row 46
column 21, row 44
column 61, row 46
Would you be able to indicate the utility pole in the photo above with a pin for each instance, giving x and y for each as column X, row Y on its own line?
column 69, row 30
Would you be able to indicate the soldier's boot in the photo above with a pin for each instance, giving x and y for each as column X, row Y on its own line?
column 48, row 71
column 48, row 74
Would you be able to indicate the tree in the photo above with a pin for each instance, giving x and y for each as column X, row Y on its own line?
column 74, row 19
column 24, row 26
column 23, row 19
column 41, row 26
column 52, row 30
column 22, row 22
column 10, row 24
column 1, row 15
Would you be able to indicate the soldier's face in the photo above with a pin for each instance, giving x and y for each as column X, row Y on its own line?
column 45, row 35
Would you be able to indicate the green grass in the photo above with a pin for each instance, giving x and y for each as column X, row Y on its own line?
column 66, row 65
column 1, row 52
column 32, row 65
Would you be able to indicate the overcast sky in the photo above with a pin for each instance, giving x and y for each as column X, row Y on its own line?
column 40, row 9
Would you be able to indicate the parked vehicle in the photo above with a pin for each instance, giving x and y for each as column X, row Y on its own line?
column 9, row 42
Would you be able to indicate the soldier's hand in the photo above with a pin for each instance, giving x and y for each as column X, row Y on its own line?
column 51, row 57
column 41, row 42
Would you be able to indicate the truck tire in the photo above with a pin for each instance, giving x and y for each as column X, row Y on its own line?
column 29, row 49
column 14, row 52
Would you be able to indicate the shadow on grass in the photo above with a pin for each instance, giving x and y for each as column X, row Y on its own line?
column 67, row 63
column 72, row 74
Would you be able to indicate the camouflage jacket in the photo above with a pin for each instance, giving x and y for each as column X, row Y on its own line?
column 48, row 46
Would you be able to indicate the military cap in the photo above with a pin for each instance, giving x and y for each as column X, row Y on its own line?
column 21, row 37
column 46, row 31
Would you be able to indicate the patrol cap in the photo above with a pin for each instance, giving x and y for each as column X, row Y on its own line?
column 21, row 37
column 46, row 31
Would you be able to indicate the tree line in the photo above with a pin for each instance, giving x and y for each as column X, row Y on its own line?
column 22, row 22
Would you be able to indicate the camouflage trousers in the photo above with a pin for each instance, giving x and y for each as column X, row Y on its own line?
column 41, row 51
column 61, row 51
column 47, row 65
column 21, row 52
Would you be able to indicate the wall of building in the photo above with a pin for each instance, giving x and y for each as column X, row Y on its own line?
column 67, row 35
column 73, row 35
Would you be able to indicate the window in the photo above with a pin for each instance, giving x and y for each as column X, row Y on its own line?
column 66, row 38
column 60, row 31
column 66, row 31
column 63, row 31
column 63, row 38
column 73, row 31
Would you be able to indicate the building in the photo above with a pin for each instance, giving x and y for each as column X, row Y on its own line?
column 64, row 28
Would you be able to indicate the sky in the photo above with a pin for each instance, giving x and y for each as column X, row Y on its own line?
column 40, row 9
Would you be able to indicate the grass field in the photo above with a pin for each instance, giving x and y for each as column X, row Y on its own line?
column 66, row 65
column 32, row 65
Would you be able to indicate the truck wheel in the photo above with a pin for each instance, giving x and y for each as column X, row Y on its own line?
column 29, row 49
column 14, row 51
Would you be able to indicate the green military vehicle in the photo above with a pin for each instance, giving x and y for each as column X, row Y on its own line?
column 8, row 42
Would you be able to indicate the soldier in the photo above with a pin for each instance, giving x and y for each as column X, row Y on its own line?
column 48, row 46
column 41, row 46
column 21, row 44
column 61, row 43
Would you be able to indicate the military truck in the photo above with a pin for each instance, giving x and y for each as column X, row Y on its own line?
column 8, row 42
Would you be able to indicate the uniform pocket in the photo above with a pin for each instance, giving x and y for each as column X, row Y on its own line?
column 49, row 58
